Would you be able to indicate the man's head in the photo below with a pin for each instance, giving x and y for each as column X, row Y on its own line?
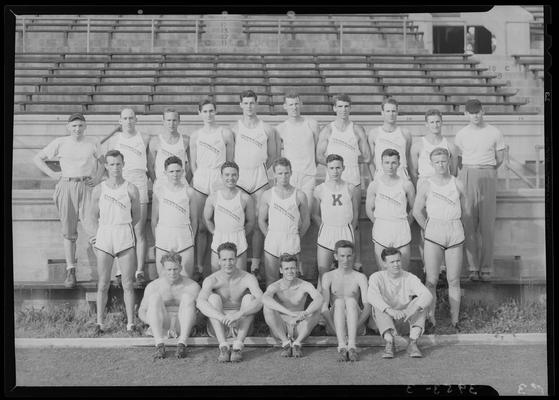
column 207, row 109
column 128, row 120
column 282, row 171
column 440, row 158
column 174, row 169
column 392, row 261
column 389, row 110
column 343, row 253
column 434, row 121
column 390, row 159
column 76, row 125
column 172, row 266
column 341, row 104
column 288, row 266
column 474, row 111
column 227, row 253
column 114, row 162
column 230, row 173
column 171, row 119
column 248, row 102
column 292, row 104
column 334, row 166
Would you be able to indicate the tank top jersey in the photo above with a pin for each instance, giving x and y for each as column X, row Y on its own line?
column 336, row 208
column 115, row 207
column 424, row 167
column 174, row 207
column 344, row 143
column 390, row 140
column 390, row 201
column 251, row 145
column 443, row 202
column 283, row 214
column 134, row 151
column 229, row 215
column 298, row 146
column 167, row 150
column 210, row 149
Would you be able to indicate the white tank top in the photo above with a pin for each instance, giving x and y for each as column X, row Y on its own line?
column 210, row 149
column 283, row 214
column 115, row 207
column 424, row 167
column 134, row 151
column 251, row 145
column 298, row 146
column 344, row 143
column 336, row 208
column 443, row 202
column 390, row 201
column 174, row 207
column 167, row 150
column 229, row 215
column 390, row 140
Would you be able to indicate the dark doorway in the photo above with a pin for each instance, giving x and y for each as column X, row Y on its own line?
column 448, row 39
column 482, row 41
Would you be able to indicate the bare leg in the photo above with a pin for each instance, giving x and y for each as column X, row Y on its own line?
column 127, row 261
column 324, row 259
column 405, row 250
column 218, row 327
column 453, row 269
column 187, row 262
column 271, row 268
column 157, row 318
column 187, row 315
column 202, row 236
column 104, row 264
column 257, row 240
column 378, row 251
column 158, row 254
column 141, row 244
column 274, row 321
column 242, row 261
column 433, row 256
column 244, row 323
column 340, row 323
column 305, row 327
column 215, row 262
column 352, row 315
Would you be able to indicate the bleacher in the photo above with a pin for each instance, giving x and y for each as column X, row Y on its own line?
column 531, row 63
column 536, row 27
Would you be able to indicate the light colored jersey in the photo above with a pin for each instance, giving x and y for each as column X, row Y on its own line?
column 210, row 149
column 344, row 143
column 424, row 167
column 283, row 214
column 174, row 207
column 115, row 206
column 478, row 146
column 336, row 207
column 443, row 202
column 77, row 158
column 390, row 201
column 299, row 146
column 167, row 150
column 251, row 145
column 390, row 140
column 134, row 151
column 229, row 215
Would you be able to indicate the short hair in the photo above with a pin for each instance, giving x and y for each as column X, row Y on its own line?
column 431, row 112
column 286, row 257
column 437, row 151
column 341, row 97
column 334, row 157
column 291, row 94
column 229, row 164
column 389, row 251
column 114, row 153
column 473, row 106
column 388, row 100
column 390, row 153
column 172, row 257
column 205, row 101
column 172, row 160
column 343, row 244
column 248, row 93
column 284, row 162
column 171, row 110
column 227, row 246
column 127, row 108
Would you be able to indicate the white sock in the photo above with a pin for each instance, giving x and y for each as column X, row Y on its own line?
column 237, row 345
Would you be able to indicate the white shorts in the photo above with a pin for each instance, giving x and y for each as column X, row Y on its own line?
column 304, row 183
column 352, row 174
column 177, row 239
column 252, row 179
column 446, row 234
column 206, row 180
column 114, row 239
column 238, row 238
column 139, row 179
column 328, row 235
column 277, row 243
column 391, row 232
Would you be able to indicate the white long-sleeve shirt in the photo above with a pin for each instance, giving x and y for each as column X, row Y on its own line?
column 396, row 293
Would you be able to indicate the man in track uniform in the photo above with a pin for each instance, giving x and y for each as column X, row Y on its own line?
column 342, row 289
column 229, row 215
column 283, row 219
column 482, row 151
column 210, row 147
column 114, row 211
column 335, row 212
column 173, row 217
column 442, row 197
column 389, row 197
column 284, row 307
column 170, row 297
column 132, row 144
column 256, row 146
column 81, row 164
column 389, row 136
column 397, row 297
column 228, row 306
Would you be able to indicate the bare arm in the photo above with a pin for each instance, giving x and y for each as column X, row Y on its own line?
column 209, row 209
column 194, row 218
column 316, row 208
column 499, row 157
column 187, row 166
column 362, row 143
column 355, row 200
column 326, row 281
column 154, row 211
column 419, row 204
column 153, row 147
column 93, row 218
column 407, row 136
column 229, row 139
column 317, row 299
column 270, row 302
column 202, row 301
column 322, row 144
column 135, row 200
column 304, row 212
column 272, row 145
column 414, row 161
column 410, row 195
column 370, row 201
column 254, row 289
column 39, row 161
column 453, row 159
column 366, row 313
column 263, row 212
column 250, row 214
column 315, row 128
column 371, row 141
column 463, row 200
column 194, row 152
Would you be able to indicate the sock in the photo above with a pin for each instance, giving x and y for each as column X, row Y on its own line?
column 101, row 326
column 388, row 336
column 138, row 273
column 296, row 343
column 415, row 331
column 237, row 345
column 224, row 344
column 129, row 326
column 344, row 346
column 286, row 343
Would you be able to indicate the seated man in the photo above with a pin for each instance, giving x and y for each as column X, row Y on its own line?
column 398, row 296
column 284, row 307
column 223, row 299
column 161, row 299
column 347, row 286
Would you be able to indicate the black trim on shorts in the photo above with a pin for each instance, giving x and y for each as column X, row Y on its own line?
column 176, row 251
column 324, row 247
column 238, row 255
column 399, row 247
column 131, row 247
column 106, row 252
column 199, row 191
column 444, row 247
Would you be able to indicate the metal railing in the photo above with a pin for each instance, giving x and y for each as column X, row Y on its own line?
column 510, row 169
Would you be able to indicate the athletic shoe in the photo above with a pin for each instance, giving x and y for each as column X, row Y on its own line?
column 413, row 350
column 296, row 351
column 286, row 350
column 71, row 281
column 352, row 354
column 389, row 350
column 474, row 276
column 140, row 279
column 181, row 350
column 342, row 355
column 236, row 355
column 159, row 351
column 118, row 281
column 224, row 354
column 97, row 331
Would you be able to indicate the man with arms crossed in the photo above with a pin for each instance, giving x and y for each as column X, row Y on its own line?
column 173, row 217
column 210, row 147
column 398, row 296
column 284, row 307
column 81, row 164
column 442, row 197
column 256, row 146
column 223, row 299
column 283, row 219
column 342, row 289
column 115, row 210
column 389, row 197
column 229, row 216
column 170, row 296
column 481, row 151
